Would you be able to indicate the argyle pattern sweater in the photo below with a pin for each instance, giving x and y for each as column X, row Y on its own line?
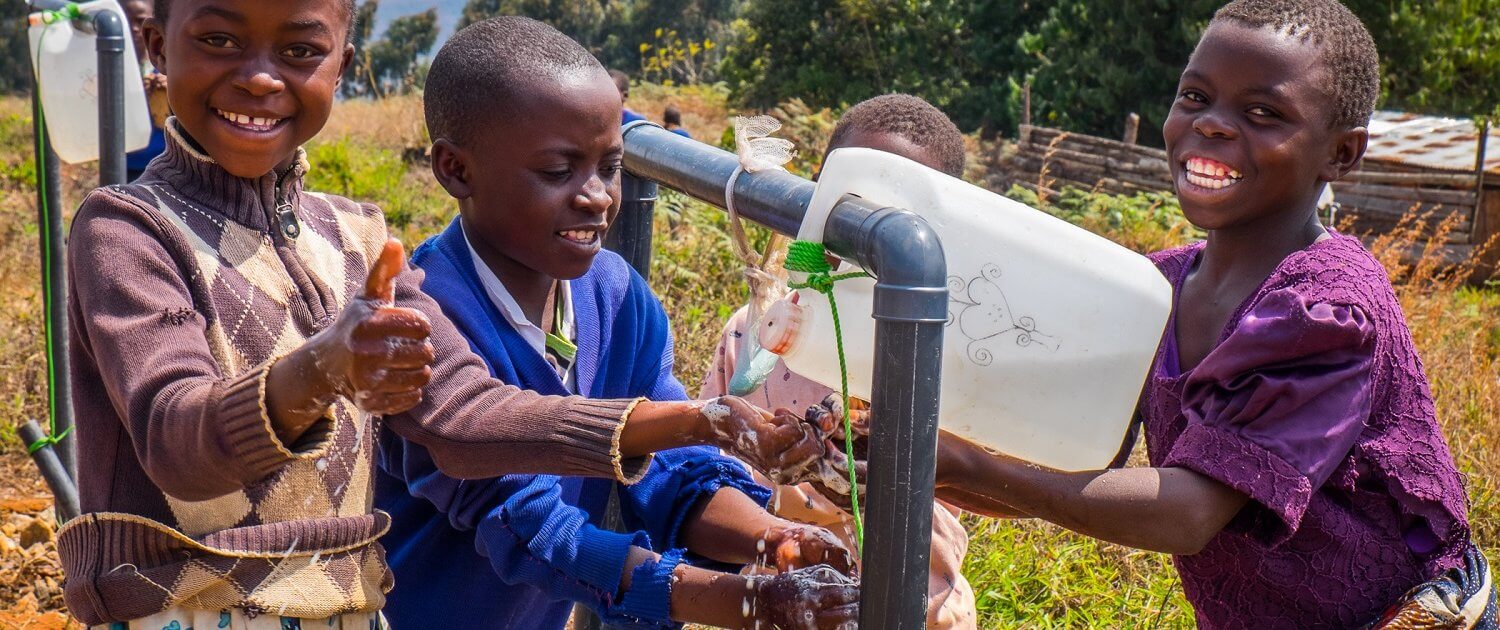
column 185, row 288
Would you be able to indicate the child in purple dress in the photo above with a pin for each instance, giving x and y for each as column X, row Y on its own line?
column 1298, row 472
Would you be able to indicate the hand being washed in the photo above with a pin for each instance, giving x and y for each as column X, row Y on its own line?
column 814, row 598
column 797, row 545
column 782, row 446
column 831, row 478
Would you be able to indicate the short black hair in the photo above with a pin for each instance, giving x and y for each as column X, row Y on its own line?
column 1348, row 49
column 481, row 69
column 622, row 80
column 909, row 117
column 671, row 116
column 159, row 11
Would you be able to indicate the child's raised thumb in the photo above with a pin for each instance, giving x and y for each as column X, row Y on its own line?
column 381, row 284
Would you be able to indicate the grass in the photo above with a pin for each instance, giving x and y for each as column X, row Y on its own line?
column 1025, row 574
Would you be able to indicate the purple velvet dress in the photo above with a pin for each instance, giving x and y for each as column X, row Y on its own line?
column 1315, row 405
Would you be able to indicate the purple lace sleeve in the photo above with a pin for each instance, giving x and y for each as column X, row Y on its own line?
column 1278, row 405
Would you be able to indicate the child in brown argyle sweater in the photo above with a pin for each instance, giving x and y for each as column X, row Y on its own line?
column 234, row 335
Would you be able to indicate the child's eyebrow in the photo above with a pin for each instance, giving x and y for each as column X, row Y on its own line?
column 305, row 25
column 576, row 153
column 317, row 26
column 211, row 10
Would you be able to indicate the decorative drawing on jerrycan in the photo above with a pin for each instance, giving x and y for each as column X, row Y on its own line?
column 985, row 318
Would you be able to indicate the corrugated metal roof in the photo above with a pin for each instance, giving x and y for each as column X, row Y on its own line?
column 1448, row 144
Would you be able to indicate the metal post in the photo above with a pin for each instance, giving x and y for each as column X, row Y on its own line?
column 630, row 235
column 110, row 45
column 910, row 309
column 64, row 492
column 54, row 292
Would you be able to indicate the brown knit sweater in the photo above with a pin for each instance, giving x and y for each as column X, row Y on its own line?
column 185, row 287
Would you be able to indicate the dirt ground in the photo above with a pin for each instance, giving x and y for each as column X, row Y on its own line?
column 30, row 577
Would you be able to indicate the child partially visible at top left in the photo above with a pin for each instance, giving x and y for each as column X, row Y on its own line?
column 234, row 337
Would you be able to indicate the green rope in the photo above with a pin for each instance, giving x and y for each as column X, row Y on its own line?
column 48, row 297
column 808, row 257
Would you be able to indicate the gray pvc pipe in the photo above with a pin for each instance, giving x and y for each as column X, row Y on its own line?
column 64, row 492
column 110, row 46
column 910, row 310
column 630, row 235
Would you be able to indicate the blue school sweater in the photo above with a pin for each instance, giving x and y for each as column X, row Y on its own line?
column 516, row 551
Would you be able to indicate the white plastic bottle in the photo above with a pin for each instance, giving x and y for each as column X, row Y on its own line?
column 67, row 66
column 1051, row 328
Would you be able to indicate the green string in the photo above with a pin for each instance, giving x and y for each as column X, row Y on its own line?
column 808, row 257
column 49, row 335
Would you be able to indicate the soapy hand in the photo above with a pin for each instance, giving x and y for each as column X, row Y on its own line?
column 377, row 354
column 796, row 546
column 830, row 475
column 814, row 598
column 782, row 446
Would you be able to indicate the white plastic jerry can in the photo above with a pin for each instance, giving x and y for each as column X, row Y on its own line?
column 66, row 65
column 1051, row 328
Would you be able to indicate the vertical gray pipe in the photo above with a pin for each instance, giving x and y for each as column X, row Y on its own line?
column 911, row 303
column 55, row 288
column 910, row 310
column 630, row 236
column 110, row 45
column 64, row 492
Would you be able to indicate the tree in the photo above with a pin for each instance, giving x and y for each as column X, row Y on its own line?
column 1438, row 57
column 583, row 20
column 997, row 67
column 833, row 52
column 357, row 76
column 1101, row 60
column 395, row 59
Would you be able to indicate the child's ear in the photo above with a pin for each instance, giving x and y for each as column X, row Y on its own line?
column 1348, row 150
column 344, row 65
column 155, row 38
column 451, row 168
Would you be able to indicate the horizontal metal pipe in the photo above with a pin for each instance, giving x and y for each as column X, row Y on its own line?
column 775, row 199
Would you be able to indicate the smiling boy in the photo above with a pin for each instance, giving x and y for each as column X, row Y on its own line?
column 523, row 275
column 234, row 337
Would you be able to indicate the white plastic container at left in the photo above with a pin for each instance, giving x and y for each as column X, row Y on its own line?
column 67, row 67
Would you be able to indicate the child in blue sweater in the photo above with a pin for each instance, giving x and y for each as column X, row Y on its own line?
column 522, row 275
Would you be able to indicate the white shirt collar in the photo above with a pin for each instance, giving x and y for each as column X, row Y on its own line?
column 511, row 310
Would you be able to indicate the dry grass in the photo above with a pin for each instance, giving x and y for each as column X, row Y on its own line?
column 1024, row 574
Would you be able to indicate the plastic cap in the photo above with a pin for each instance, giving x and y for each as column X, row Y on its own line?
column 782, row 325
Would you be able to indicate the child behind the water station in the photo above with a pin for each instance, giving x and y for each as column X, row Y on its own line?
column 234, row 336
column 912, row 128
column 529, row 145
column 1297, row 469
